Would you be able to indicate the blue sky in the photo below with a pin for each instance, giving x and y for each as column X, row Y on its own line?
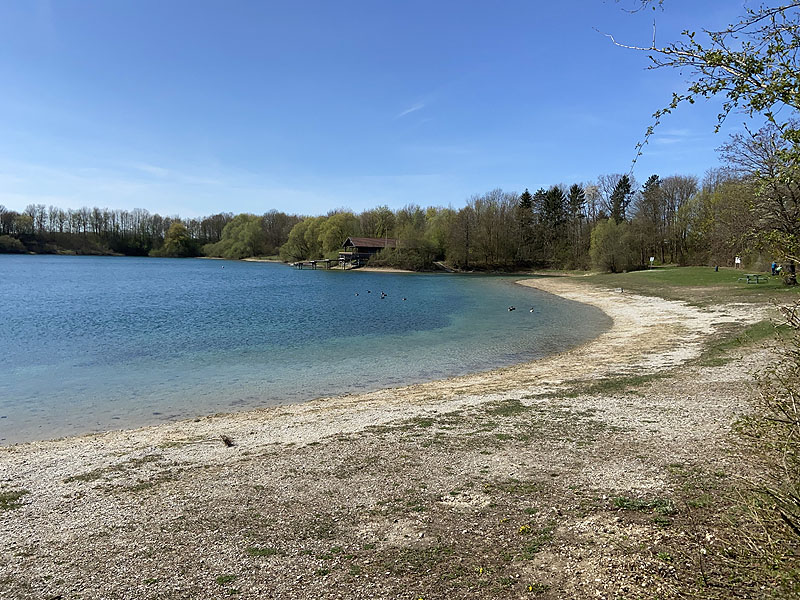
column 193, row 107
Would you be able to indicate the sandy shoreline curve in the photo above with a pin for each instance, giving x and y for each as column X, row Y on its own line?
column 400, row 493
column 647, row 334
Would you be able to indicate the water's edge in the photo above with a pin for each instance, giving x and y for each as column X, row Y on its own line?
column 255, row 391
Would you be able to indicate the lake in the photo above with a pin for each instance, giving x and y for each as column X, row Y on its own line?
column 98, row 343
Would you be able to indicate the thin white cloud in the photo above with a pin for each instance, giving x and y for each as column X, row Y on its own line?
column 168, row 174
column 136, row 184
column 677, row 132
column 670, row 137
column 411, row 109
column 667, row 141
column 154, row 170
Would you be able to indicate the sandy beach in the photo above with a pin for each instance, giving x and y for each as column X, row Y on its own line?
column 493, row 485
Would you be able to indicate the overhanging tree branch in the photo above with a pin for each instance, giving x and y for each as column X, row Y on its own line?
column 753, row 64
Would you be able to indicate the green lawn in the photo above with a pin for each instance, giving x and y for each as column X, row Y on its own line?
column 698, row 285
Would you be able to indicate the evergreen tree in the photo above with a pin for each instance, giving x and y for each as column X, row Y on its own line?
column 526, row 200
column 525, row 224
column 576, row 204
column 620, row 198
column 576, row 199
column 552, row 209
column 649, row 218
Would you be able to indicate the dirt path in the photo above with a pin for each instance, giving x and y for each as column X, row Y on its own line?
column 542, row 480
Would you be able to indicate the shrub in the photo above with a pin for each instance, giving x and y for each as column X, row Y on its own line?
column 11, row 245
column 772, row 434
column 611, row 246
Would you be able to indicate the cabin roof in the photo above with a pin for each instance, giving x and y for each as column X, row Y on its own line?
column 367, row 242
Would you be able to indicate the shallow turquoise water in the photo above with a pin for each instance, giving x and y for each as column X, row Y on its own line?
column 97, row 343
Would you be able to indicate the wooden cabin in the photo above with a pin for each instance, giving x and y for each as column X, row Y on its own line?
column 357, row 250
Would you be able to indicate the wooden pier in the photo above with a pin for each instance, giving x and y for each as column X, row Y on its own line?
column 312, row 264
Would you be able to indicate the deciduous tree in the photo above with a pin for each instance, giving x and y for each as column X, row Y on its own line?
column 611, row 246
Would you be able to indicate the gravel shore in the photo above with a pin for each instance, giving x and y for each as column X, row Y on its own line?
column 553, row 479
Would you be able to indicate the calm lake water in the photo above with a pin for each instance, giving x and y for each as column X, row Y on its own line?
column 98, row 343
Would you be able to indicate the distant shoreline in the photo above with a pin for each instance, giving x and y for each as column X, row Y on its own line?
column 281, row 262
column 265, row 260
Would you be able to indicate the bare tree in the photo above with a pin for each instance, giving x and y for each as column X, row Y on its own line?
column 677, row 190
column 765, row 159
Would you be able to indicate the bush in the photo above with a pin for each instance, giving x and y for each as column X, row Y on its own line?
column 772, row 434
column 11, row 245
column 410, row 259
column 177, row 243
column 243, row 237
column 612, row 246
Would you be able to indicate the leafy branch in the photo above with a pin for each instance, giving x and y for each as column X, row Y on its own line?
column 751, row 63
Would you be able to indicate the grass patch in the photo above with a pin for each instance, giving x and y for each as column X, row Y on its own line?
column 561, row 423
column 716, row 354
column 417, row 561
column 320, row 527
column 507, row 582
column 538, row 539
column 143, row 485
column 699, row 285
column 625, row 383
column 661, row 510
column 508, row 408
column 93, row 475
column 101, row 472
column 444, row 421
column 10, row 500
column 180, row 443
column 400, row 506
column 661, row 506
column 225, row 579
column 513, row 486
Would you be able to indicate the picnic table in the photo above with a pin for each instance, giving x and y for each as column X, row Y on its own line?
column 754, row 278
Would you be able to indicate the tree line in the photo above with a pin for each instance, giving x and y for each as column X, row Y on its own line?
column 44, row 229
column 749, row 208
